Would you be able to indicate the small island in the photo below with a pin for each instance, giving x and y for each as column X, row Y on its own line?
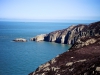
column 20, row 40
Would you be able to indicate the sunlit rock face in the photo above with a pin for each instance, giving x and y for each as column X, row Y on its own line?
column 71, row 34
column 66, row 36
column 38, row 38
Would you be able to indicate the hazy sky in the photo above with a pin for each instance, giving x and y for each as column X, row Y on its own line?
column 50, row 9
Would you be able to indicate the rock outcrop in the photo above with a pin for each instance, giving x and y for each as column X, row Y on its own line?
column 38, row 38
column 71, row 34
column 20, row 40
column 83, row 58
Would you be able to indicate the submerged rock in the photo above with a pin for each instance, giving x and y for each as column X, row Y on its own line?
column 20, row 40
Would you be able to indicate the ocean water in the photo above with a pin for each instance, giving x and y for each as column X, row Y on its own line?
column 21, row 58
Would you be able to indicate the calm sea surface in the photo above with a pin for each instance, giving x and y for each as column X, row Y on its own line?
column 21, row 58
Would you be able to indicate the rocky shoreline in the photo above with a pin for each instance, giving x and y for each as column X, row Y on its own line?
column 83, row 58
column 71, row 34
column 67, row 36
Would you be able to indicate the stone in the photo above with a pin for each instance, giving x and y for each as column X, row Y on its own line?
column 80, row 60
column 71, row 57
column 69, row 64
column 71, row 69
column 98, row 69
column 53, row 61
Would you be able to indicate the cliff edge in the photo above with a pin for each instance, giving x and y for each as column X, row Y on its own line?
column 83, row 58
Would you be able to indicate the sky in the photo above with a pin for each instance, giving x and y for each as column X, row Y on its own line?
column 46, row 10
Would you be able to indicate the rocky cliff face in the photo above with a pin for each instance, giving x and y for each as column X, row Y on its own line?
column 83, row 58
column 66, row 36
column 72, row 34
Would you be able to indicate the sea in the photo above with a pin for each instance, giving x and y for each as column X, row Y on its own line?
column 22, row 58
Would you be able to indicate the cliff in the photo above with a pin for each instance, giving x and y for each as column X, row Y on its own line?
column 71, row 34
column 66, row 36
column 83, row 58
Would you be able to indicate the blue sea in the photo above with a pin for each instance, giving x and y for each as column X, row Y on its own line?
column 21, row 58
